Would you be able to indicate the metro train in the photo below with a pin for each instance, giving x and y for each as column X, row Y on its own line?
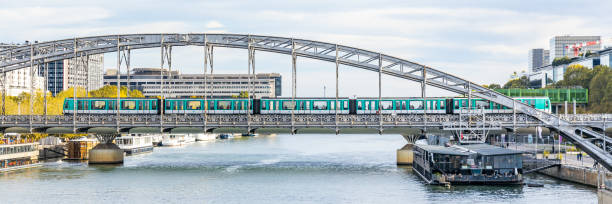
column 286, row 105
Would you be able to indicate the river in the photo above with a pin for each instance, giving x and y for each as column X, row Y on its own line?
column 304, row 168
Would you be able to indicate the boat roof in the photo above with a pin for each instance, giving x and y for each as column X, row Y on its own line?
column 490, row 150
column 443, row 150
column 464, row 150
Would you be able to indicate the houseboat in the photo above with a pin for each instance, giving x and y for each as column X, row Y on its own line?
column 135, row 143
column 467, row 164
column 78, row 149
column 176, row 139
column 18, row 156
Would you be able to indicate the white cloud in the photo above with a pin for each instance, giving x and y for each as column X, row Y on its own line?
column 51, row 16
column 214, row 25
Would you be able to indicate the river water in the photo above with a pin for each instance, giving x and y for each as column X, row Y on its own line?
column 305, row 168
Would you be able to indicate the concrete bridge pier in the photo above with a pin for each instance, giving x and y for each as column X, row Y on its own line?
column 405, row 154
column 106, row 152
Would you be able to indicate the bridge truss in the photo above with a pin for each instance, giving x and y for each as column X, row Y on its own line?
column 37, row 54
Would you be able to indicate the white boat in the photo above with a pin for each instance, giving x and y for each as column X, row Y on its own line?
column 176, row 139
column 135, row 143
column 18, row 156
column 157, row 139
column 190, row 138
column 205, row 137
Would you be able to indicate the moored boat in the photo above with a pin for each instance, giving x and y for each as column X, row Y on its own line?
column 18, row 156
column 204, row 137
column 135, row 143
column 176, row 139
column 467, row 164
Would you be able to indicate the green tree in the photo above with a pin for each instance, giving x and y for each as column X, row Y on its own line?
column 576, row 75
column 493, row 86
column 561, row 60
column 520, row 83
column 600, row 92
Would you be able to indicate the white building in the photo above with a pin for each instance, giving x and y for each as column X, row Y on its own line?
column 19, row 81
column 148, row 81
column 558, row 45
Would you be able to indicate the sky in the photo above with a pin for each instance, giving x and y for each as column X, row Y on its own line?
column 482, row 41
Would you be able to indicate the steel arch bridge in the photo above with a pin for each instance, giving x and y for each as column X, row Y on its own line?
column 39, row 53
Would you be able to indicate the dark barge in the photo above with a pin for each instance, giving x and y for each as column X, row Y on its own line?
column 468, row 164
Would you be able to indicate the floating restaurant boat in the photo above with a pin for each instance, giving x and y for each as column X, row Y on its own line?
column 177, row 139
column 18, row 156
column 204, row 137
column 135, row 143
column 467, row 164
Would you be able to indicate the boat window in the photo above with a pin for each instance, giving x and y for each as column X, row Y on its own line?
column 319, row 105
column 224, row 105
column 416, row 105
column 128, row 105
column 288, row 105
column 99, row 105
column 387, row 105
column 194, row 105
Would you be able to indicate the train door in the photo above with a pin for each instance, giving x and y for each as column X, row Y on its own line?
column 352, row 106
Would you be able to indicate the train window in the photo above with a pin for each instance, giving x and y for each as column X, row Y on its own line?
column 442, row 105
column 533, row 103
column 271, row 105
column 128, row 105
column 237, row 105
column 154, row 105
column 194, row 105
column 457, row 104
column 111, row 105
column 224, row 105
column 80, row 105
column 387, row 105
column 546, row 103
column 464, row 103
column 140, row 106
column 211, row 104
column 168, row 105
column 66, row 106
column 480, row 104
column 263, row 105
column 146, row 105
column 333, row 105
column 288, row 105
column 416, row 105
column 398, row 105
column 99, row 105
column 307, row 105
column 319, row 105
column 403, row 105
column 345, row 105
column 359, row 105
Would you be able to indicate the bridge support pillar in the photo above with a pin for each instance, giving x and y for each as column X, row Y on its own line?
column 106, row 152
column 405, row 155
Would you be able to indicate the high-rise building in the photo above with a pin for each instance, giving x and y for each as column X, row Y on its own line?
column 147, row 80
column 558, row 45
column 537, row 57
column 63, row 75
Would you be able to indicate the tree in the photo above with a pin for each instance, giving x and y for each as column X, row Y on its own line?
column 243, row 94
column 520, row 83
column 600, row 92
column 576, row 75
column 492, row 86
column 561, row 60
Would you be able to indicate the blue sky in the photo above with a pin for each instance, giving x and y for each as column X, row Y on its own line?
column 483, row 41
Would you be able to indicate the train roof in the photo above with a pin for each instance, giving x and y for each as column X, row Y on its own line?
column 114, row 98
